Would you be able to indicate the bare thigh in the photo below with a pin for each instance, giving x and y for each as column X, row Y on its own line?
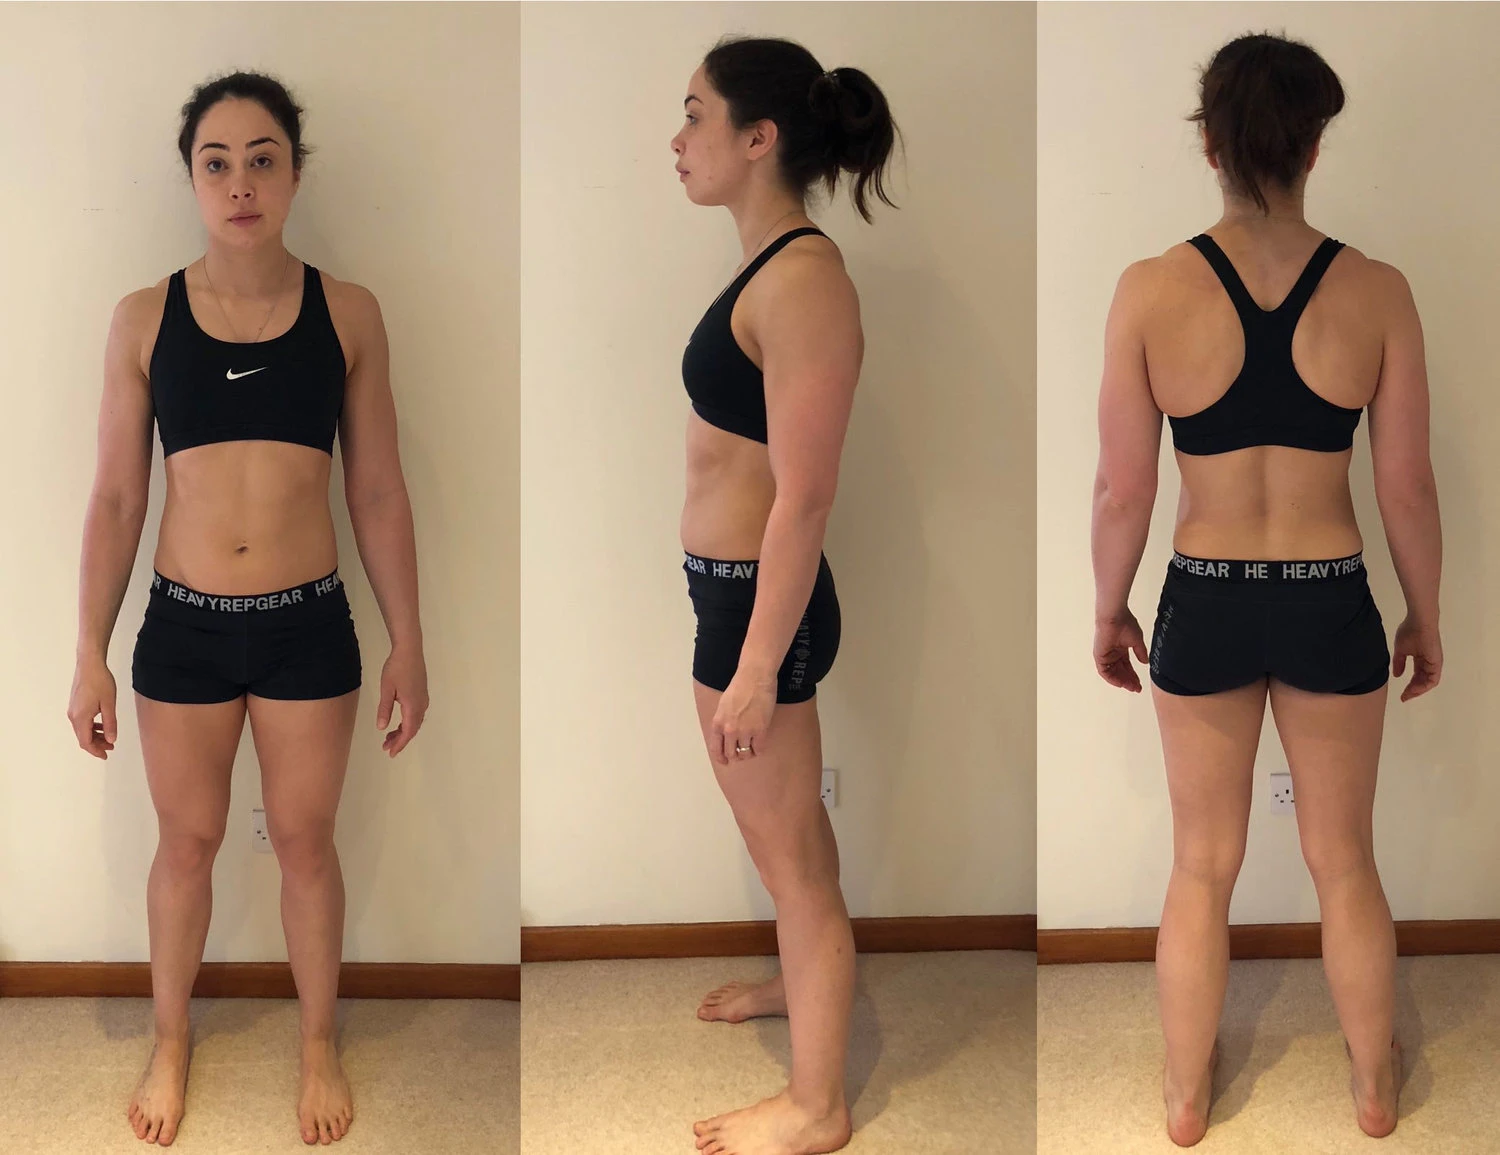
column 1332, row 744
column 775, row 796
column 303, row 747
column 1209, row 745
column 189, row 753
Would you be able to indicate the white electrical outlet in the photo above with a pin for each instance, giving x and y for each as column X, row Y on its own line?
column 830, row 790
column 1282, row 801
column 260, row 837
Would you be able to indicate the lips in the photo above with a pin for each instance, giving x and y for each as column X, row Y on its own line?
column 244, row 218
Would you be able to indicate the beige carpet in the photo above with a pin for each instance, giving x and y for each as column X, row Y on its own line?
column 1283, row 1083
column 943, row 1056
column 429, row 1078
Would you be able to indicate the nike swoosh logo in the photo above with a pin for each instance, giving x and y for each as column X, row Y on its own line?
column 231, row 375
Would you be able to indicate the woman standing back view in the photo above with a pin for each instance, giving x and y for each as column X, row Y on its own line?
column 1261, row 341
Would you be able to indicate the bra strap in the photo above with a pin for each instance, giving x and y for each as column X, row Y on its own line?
column 1302, row 291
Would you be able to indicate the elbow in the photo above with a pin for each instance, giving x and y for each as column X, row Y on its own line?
column 806, row 506
column 1124, row 495
column 1414, row 489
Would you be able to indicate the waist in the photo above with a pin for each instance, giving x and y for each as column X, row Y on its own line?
column 327, row 590
column 1267, row 573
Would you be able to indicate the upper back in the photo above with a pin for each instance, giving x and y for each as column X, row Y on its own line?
column 1280, row 344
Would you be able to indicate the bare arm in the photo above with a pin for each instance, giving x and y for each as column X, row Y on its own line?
column 811, row 348
column 1125, row 483
column 1405, row 489
column 116, row 514
column 380, row 513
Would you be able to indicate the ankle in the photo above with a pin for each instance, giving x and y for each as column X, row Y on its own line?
column 170, row 1034
column 820, row 1104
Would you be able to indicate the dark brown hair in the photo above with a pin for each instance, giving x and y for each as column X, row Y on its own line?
column 266, row 91
column 826, row 122
column 1263, row 103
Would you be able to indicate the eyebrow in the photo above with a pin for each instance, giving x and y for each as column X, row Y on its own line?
column 254, row 143
column 690, row 98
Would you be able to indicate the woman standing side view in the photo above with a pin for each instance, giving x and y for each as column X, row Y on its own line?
column 771, row 371
column 1261, row 341
column 250, row 363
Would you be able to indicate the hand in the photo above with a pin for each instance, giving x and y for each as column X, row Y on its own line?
column 1425, row 649
column 1115, row 639
column 91, row 707
column 403, row 679
column 743, row 718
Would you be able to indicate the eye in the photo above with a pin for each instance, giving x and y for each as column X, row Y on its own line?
column 262, row 157
column 214, row 165
column 691, row 119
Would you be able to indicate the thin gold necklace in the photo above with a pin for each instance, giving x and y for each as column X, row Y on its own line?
column 274, row 302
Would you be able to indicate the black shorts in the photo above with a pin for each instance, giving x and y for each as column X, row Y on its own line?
column 1225, row 624
column 723, row 594
column 295, row 644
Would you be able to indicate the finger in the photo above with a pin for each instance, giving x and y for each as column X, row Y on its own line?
column 387, row 701
column 111, row 723
column 1398, row 663
column 1138, row 648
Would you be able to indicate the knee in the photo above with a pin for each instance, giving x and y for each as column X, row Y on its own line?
column 1215, row 865
column 189, row 850
column 304, row 851
column 1334, row 858
column 790, row 864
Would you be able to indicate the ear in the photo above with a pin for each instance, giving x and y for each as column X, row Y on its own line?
column 763, row 137
column 1213, row 161
column 1313, row 158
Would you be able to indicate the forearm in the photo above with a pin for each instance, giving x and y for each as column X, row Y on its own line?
column 789, row 555
column 1120, row 528
column 386, row 539
column 1414, row 533
column 111, row 536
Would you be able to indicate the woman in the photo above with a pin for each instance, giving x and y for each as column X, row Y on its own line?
column 249, row 362
column 1263, row 399
column 771, row 370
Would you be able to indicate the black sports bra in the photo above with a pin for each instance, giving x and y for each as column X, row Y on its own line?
column 1268, row 403
column 290, row 388
column 726, row 387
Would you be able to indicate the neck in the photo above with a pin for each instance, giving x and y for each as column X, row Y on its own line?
column 764, row 212
column 252, row 273
column 1283, row 207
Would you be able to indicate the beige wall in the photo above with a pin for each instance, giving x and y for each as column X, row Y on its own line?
column 413, row 192
column 929, row 712
column 1404, row 177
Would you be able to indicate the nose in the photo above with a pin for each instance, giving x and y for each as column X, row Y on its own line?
column 676, row 146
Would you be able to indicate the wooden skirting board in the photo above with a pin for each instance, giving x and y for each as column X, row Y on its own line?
column 1268, row 940
column 264, row 980
column 725, row 939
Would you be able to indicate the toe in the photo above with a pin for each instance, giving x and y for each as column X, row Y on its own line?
column 168, row 1133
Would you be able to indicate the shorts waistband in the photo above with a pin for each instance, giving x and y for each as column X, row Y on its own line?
column 162, row 587
column 727, row 570
column 1268, row 572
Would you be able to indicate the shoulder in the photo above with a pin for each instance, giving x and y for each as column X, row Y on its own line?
column 809, row 269
column 1374, row 287
column 140, row 311
column 350, row 302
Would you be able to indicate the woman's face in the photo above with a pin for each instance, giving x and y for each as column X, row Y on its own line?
column 242, row 173
column 713, row 157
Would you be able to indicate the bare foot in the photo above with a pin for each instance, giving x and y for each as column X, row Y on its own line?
column 1187, row 1110
column 775, row 1126
column 326, row 1108
column 737, row 1001
column 155, row 1109
column 1375, row 1106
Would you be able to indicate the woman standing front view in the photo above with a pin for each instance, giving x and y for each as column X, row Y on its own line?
column 250, row 363
column 771, row 370
column 1261, row 341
